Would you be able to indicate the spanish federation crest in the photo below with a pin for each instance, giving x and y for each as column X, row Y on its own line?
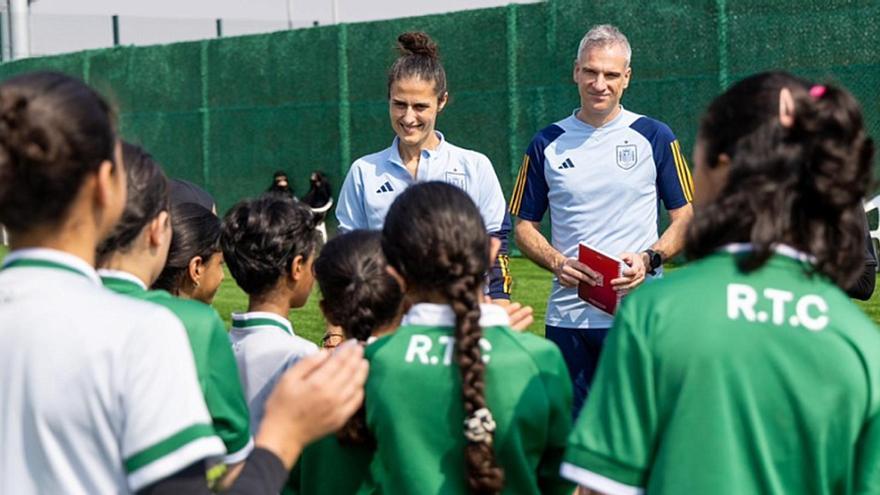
column 457, row 179
column 627, row 156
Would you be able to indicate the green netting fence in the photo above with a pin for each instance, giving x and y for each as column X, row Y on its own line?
column 227, row 112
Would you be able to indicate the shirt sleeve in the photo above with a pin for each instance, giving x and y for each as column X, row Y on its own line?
column 674, row 183
column 500, row 280
column 166, row 426
column 529, row 199
column 225, row 397
column 609, row 449
column 491, row 197
column 350, row 210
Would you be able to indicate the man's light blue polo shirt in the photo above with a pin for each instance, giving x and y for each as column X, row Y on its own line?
column 602, row 186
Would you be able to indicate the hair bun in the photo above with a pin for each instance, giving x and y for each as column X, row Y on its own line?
column 22, row 137
column 417, row 43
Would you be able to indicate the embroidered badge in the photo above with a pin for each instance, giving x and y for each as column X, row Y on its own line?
column 457, row 179
column 627, row 156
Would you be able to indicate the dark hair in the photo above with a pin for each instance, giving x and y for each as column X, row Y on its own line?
column 146, row 197
column 183, row 191
column 319, row 190
column 419, row 57
column 195, row 232
column 262, row 236
column 360, row 296
column 278, row 189
column 54, row 130
column 801, row 185
column 435, row 238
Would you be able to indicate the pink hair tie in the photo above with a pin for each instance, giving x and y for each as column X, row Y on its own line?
column 817, row 91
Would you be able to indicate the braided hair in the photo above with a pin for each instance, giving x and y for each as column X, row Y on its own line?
column 261, row 237
column 435, row 238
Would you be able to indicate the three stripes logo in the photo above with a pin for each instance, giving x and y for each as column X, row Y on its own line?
column 566, row 164
column 386, row 187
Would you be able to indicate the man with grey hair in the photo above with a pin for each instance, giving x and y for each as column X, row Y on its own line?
column 601, row 172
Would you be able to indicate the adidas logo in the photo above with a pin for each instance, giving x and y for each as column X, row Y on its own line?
column 566, row 164
column 386, row 187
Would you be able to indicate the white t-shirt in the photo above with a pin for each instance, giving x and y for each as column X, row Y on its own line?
column 98, row 391
column 264, row 346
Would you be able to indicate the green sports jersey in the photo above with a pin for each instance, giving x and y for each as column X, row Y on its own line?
column 215, row 363
column 327, row 467
column 717, row 381
column 414, row 407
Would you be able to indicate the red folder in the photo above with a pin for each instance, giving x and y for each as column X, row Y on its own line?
column 609, row 267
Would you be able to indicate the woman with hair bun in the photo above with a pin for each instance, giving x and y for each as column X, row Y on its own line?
column 771, row 384
column 417, row 94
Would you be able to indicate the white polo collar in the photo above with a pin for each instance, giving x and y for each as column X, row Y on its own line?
column 51, row 259
column 441, row 315
column 394, row 151
column 121, row 275
column 781, row 249
column 261, row 320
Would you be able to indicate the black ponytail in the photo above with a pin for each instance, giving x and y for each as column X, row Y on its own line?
column 195, row 233
column 146, row 197
column 358, row 293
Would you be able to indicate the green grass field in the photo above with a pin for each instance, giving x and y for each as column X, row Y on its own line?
column 531, row 287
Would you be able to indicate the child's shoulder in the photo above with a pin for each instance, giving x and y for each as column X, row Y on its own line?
column 541, row 351
column 302, row 345
column 191, row 312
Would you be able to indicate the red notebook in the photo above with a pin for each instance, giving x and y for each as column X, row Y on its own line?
column 609, row 267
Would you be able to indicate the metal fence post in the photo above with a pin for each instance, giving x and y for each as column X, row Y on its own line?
column 344, row 104
column 115, row 30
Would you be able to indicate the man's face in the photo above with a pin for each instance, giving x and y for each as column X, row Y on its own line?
column 601, row 75
column 281, row 181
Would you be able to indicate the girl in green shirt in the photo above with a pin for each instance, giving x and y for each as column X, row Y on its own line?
column 131, row 258
column 749, row 370
column 365, row 301
column 194, row 268
column 457, row 401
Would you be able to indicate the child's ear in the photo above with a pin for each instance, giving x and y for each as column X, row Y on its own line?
column 297, row 267
column 195, row 269
column 160, row 230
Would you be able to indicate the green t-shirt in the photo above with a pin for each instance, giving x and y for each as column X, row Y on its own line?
column 328, row 467
column 717, row 381
column 414, row 407
column 215, row 363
